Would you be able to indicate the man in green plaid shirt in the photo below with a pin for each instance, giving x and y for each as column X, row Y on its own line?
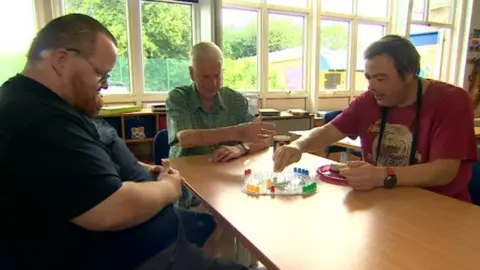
column 206, row 118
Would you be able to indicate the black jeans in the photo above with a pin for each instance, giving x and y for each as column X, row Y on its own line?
column 185, row 253
column 198, row 227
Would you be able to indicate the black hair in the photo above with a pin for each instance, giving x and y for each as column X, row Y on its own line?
column 404, row 54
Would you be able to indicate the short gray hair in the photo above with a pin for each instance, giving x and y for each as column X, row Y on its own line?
column 207, row 51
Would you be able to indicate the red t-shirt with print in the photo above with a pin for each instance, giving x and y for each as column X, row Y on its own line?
column 446, row 132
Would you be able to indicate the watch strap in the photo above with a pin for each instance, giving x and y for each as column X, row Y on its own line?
column 390, row 180
column 247, row 149
column 390, row 171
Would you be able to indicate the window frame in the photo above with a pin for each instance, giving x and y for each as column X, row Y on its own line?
column 446, row 74
column 133, row 16
column 206, row 25
column 354, row 21
column 263, row 10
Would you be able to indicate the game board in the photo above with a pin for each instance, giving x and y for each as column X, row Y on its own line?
column 297, row 182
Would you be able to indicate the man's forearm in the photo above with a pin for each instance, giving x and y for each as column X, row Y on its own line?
column 145, row 165
column 436, row 173
column 258, row 146
column 319, row 138
column 189, row 138
column 141, row 202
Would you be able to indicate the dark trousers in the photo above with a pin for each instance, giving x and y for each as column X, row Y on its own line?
column 185, row 253
column 198, row 227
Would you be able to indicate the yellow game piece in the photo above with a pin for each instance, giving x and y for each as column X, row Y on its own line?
column 269, row 183
column 257, row 189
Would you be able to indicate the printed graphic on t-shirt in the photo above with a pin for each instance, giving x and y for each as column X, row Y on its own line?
column 396, row 145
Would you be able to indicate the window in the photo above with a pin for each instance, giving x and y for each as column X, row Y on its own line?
column 167, row 41
column 431, row 33
column 367, row 34
column 347, row 28
column 17, row 23
column 240, row 35
column 112, row 15
column 335, row 6
column 285, row 57
column 373, row 8
column 266, row 57
column 431, row 45
column 334, row 39
column 289, row 3
column 438, row 11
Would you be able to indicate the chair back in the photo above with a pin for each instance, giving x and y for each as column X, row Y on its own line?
column 329, row 116
column 474, row 186
column 161, row 146
column 7, row 262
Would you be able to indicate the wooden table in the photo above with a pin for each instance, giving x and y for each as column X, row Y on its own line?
column 337, row 228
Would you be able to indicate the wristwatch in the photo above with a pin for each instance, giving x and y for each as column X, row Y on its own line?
column 245, row 146
column 391, row 179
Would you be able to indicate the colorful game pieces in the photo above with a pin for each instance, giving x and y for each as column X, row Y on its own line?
column 296, row 182
column 301, row 171
column 253, row 188
column 310, row 187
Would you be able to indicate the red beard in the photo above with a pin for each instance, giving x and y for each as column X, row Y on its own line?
column 84, row 96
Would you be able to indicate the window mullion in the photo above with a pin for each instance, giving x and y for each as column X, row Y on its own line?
column 426, row 9
column 313, row 87
column 352, row 60
column 135, row 48
column 263, row 53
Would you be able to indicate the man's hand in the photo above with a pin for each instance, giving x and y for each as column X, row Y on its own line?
column 174, row 179
column 255, row 131
column 156, row 170
column 363, row 175
column 286, row 155
column 225, row 153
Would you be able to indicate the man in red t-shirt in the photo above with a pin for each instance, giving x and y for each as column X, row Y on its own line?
column 414, row 132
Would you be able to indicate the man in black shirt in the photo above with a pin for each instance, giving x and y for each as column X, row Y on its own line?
column 69, row 209
column 198, row 226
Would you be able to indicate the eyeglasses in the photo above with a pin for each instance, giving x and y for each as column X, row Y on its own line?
column 103, row 76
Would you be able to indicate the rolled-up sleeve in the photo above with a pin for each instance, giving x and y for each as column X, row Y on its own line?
column 246, row 114
column 178, row 115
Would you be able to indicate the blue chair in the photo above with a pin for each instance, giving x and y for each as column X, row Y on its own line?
column 161, row 146
column 474, row 186
column 6, row 261
column 329, row 116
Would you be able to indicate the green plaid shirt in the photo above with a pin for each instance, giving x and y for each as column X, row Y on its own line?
column 185, row 111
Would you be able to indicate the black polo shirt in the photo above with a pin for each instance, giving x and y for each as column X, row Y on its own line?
column 128, row 167
column 53, row 168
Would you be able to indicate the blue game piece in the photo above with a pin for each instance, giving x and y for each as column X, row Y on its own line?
column 295, row 170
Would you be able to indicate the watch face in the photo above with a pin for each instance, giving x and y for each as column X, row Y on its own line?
column 390, row 181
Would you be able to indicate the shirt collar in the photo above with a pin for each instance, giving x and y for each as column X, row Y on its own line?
column 197, row 104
